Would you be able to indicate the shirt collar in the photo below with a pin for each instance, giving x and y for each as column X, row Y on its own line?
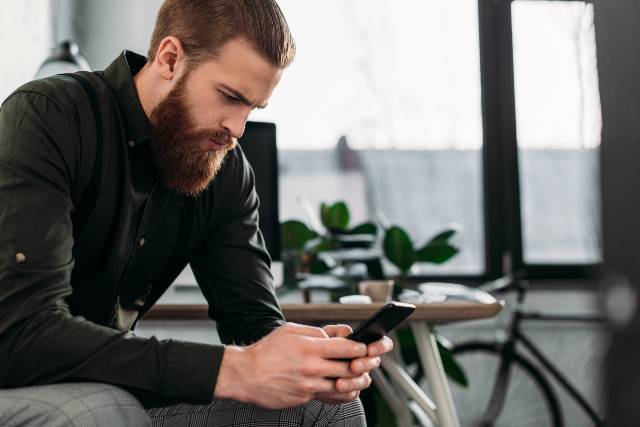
column 119, row 75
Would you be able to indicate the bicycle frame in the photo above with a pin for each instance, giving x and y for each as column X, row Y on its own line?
column 515, row 335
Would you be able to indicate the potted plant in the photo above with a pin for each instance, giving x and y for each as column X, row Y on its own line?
column 302, row 245
column 399, row 249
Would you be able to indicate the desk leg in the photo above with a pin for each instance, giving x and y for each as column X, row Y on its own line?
column 405, row 384
column 406, row 397
column 435, row 375
column 397, row 404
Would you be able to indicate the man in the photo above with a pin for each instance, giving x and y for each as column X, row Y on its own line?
column 173, row 188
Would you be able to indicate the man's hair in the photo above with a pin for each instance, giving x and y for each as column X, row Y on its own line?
column 203, row 26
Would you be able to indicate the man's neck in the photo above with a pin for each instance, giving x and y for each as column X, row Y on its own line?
column 147, row 89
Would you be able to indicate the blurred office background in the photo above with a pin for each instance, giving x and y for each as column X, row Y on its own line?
column 382, row 108
column 481, row 113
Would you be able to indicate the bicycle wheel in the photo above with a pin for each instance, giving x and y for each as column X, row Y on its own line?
column 529, row 401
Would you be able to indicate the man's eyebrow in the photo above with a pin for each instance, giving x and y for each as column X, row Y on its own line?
column 241, row 97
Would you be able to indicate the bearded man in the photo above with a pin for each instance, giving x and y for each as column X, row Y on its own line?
column 149, row 145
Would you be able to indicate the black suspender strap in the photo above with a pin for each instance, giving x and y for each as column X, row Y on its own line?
column 90, row 196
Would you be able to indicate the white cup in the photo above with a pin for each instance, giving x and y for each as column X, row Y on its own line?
column 377, row 290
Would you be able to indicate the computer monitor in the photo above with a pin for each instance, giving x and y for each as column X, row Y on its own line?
column 259, row 146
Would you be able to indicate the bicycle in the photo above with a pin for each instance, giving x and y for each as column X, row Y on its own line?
column 513, row 373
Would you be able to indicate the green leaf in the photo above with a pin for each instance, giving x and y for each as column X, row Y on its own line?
column 410, row 355
column 436, row 252
column 444, row 235
column 321, row 244
column 398, row 248
column 337, row 217
column 451, row 367
column 295, row 234
column 365, row 228
column 407, row 344
column 324, row 214
column 318, row 266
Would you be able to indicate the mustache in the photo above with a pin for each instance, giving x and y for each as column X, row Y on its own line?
column 221, row 137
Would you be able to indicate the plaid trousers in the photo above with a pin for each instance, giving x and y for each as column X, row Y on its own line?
column 229, row 413
column 97, row 405
column 70, row 404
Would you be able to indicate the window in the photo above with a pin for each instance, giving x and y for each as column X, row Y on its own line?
column 381, row 108
column 542, row 123
column 558, row 130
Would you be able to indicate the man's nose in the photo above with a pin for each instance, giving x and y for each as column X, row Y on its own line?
column 234, row 124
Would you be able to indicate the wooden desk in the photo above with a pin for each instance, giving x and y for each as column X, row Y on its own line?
column 442, row 312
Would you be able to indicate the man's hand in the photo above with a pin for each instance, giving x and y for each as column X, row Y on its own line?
column 348, row 388
column 296, row 364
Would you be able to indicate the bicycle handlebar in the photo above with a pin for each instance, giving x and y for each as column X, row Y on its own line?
column 501, row 284
column 510, row 281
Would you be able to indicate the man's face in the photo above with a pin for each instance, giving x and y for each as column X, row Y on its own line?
column 205, row 113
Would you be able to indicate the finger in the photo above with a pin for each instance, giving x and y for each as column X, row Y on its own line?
column 318, row 385
column 347, row 385
column 341, row 348
column 337, row 330
column 306, row 330
column 335, row 398
column 380, row 347
column 364, row 364
column 331, row 369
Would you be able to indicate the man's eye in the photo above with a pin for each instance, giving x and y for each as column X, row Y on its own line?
column 229, row 98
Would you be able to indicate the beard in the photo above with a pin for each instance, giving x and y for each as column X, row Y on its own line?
column 182, row 155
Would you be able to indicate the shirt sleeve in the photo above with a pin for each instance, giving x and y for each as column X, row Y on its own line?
column 233, row 266
column 40, row 340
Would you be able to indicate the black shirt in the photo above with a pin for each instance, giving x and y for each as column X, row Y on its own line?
column 65, row 302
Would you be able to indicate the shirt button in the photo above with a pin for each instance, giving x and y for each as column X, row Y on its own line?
column 20, row 257
column 131, row 143
column 141, row 241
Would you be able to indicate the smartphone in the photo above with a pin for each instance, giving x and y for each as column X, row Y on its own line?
column 381, row 322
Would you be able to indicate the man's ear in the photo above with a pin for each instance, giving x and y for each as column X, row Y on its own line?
column 170, row 58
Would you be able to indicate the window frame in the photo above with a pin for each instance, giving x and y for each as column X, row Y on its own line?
column 503, row 214
column 501, row 179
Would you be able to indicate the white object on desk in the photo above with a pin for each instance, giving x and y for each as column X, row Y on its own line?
column 455, row 291
column 355, row 299
column 415, row 297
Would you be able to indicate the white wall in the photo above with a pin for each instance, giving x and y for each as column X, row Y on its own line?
column 25, row 34
column 105, row 28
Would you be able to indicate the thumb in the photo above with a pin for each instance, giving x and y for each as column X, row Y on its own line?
column 310, row 331
column 340, row 331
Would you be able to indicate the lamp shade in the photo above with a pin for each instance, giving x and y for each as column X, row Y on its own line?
column 65, row 58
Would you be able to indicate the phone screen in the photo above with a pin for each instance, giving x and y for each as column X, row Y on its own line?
column 381, row 322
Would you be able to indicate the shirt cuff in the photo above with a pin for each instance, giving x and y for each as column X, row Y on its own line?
column 192, row 370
